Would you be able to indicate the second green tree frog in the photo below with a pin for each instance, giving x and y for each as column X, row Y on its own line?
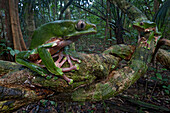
column 148, row 27
column 48, row 42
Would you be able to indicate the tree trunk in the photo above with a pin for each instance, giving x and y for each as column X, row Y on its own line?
column 132, row 12
column 29, row 20
column 107, row 21
column 11, row 27
column 67, row 12
column 5, row 31
column 65, row 8
column 91, row 82
column 156, row 5
column 164, row 58
column 119, row 28
column 18, row 41
column 54, row 10
column 4, row 5
column 68, row 17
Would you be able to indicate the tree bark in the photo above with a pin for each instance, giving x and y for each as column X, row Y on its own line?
column 18, row 41
column 4, row 5
column 132, row 12
column 164, row 58
column 119, row 28
column 29, row 20
column 156, row 5
column 96, row 79
column 65, row 7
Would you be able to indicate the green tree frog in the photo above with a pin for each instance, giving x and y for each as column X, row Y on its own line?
column 48, row 42
column 148, row 27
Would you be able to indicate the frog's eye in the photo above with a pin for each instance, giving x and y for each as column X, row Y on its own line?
column 141, row 23
column 80, row 25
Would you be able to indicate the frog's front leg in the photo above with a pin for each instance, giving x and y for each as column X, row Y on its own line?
column 148, row 41
column 49, row 63
column 146, row 44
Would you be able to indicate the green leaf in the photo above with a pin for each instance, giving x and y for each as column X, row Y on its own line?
column 154, row 78
column 164, row 86
column 2, row 44
column 113, row 38
column 102, row 37
column 167, row 92
column 16, row 51
column 12, row 52
column 2, row 53
column 168, row 87
column 159, row 76
column 55, row 78
column 165, row 79
column 48, row 77
column 9, row 48
column 164, row 69
column 52, row 103
column 43, row 102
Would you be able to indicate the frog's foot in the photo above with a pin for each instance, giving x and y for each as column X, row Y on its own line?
column 146, row 44
column 72, row 67
column 157, row 39
column 62, row 59
column 59, row 61
column 70, row 81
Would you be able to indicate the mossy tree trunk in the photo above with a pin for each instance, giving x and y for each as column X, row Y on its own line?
column 96, row 79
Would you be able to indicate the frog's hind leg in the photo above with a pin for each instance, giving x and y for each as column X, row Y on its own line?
column 48, row 61
column 33, row 67
column 62, row 58
column 72, row 67
column 59, row 61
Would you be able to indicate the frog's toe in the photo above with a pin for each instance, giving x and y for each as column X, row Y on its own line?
column 77, row 66
column 74, row 59
column 79, row 61
column 71, row 81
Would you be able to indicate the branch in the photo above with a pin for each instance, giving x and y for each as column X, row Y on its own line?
column 20, row 86
column 132, row 12
column 164, row 58
column 65, row 7
column 111, row 23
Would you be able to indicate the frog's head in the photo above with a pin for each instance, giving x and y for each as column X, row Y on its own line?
column 63, row 29
column 144, row 25
column 76, row 28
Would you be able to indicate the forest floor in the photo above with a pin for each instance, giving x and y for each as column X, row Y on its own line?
column 150, row 94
